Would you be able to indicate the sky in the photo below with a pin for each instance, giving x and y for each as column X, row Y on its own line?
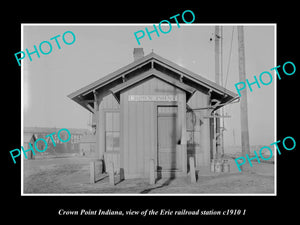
column 101, row 49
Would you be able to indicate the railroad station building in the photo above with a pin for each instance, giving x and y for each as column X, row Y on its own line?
column 153, row 109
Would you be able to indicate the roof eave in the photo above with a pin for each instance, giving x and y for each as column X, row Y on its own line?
column 152, row 72
column 111, row 76
column 96, row 85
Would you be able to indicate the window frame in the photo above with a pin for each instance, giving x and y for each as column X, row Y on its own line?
column 106, row 111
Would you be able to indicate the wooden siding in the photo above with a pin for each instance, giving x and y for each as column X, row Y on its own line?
column 139, row 128
column 113, row 157
column 108, row 103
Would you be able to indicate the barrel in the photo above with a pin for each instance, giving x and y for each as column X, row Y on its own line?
column 218, row 166
column 212, row 165
column 225, row 166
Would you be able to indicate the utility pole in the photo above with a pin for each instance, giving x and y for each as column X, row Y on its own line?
column 218, row 75
column 243, row 99
column 217, row 54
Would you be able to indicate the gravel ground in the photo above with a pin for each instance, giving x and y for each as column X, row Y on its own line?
column 71, row 175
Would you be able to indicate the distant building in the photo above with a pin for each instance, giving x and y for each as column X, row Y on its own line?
column 33, row 133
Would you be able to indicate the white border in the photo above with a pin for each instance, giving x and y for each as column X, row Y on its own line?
column 275, row 110
column 22, row 113
column 149, row 24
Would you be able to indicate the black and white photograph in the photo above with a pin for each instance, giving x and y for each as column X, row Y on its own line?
column 162, row 117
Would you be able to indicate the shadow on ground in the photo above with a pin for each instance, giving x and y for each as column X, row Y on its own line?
column 71, row 175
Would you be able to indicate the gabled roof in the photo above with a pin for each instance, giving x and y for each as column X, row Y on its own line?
column 152, row 72
column 111, row 76
column 135, row 65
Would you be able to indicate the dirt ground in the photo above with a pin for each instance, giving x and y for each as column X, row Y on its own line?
column 70, row 175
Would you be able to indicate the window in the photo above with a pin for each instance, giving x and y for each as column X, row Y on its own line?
column 112, row 131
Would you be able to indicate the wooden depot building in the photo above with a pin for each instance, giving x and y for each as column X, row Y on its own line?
column 153, row 109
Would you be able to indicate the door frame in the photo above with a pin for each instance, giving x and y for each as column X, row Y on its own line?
column 180, row 116
column 177, row 169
